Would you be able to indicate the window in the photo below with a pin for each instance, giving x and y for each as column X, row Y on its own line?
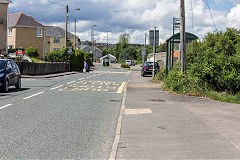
column 39, row 32
column 10, row 46
column 56, row 49
column 9, row 65
column 10, row 31
column 56, row 40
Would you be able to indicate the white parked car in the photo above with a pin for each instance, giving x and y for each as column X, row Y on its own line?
column 130, row 63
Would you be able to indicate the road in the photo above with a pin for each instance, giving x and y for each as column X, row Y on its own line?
column 68, row 117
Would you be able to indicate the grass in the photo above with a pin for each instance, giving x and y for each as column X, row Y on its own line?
column 211, row 94
column 35, row 60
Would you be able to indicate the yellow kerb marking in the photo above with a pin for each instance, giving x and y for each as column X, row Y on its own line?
column 138, row 111
column 120, row 89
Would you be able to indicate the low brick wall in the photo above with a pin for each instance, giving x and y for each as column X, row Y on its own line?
column 29, row 68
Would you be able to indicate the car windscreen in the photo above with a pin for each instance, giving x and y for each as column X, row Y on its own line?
column 2, row 65
column 150, row 64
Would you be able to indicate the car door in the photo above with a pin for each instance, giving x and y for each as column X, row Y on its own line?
column 15, row 72
column 10, row 73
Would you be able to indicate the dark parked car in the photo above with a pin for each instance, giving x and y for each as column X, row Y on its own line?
column 9, row 74
column 147, row 68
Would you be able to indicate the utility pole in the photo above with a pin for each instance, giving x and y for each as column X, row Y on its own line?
column 66, row 28
column 92, row 39
column 154, row 51
column 75, row 35
column 145, row 45
column 182, row 37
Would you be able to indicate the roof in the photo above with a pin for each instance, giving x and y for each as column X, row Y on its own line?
column 82, row 47
column 189, row 36
column 108, row 55
column 20, row 19
column 54, row 31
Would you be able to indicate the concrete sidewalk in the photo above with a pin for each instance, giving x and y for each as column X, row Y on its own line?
column 160, row 126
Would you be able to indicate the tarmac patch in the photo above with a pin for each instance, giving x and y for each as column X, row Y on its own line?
column 138, row 111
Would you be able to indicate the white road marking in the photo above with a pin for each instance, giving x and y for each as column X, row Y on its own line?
column 81, row 79
column 33, row 95
column 6, row 106
column 71, row 82
column 56, row 87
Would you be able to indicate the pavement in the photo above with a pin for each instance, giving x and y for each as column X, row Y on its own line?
column 49, row 75
column 159, row 126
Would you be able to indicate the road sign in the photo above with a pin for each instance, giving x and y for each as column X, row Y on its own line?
column 143, row 51
column 176, row 23
column 151, row 37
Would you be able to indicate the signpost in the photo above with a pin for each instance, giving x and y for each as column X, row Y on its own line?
column 154, row 40
column 143, row 53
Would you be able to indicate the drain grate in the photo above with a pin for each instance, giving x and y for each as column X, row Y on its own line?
column 138, row 111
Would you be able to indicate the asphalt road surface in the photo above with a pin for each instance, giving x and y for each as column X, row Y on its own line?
column 69, row 117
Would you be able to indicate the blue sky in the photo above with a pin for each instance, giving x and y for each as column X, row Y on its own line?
column 134, row 17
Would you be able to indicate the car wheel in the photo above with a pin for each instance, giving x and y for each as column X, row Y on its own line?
column 6, row 86
column 19, row 84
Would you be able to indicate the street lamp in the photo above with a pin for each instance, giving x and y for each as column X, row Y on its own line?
column 92, row 39
column 75, row 35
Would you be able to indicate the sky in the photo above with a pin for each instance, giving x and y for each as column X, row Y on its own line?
column 134, row 17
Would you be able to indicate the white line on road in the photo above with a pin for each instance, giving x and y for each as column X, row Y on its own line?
column 81, row 79
column 71, row 82
column 6, row 106
column 56, row 87
column 33, row 95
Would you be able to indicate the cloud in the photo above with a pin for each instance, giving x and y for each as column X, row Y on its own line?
column 134, row 17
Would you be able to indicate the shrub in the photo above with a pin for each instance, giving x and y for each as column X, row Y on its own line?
column 160, row 75
column 32, row 52
column 123, row 65
column 77, row 60
column 58, row 56
column 11, row 50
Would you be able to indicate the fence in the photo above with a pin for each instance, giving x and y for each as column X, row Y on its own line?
column 29, row 68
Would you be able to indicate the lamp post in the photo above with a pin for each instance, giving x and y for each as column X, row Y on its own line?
column 92, row 39
column 75, row 30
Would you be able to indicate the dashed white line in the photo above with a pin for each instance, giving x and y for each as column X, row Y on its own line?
column 71, row 82
column 56, row 87
column 6, row 106
column 33, row 95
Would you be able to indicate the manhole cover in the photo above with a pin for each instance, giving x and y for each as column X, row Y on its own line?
column 157, row 100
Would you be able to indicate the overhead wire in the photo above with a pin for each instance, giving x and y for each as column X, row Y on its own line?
column 211, row 14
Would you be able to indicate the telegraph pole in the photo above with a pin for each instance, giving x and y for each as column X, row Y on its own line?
column 154, row 51
column 183, row 37
column 145, row 45
column 75, row 35
column 66, row 26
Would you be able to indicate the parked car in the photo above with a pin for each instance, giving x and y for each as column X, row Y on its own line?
column 9, row 74
column 130, row 62
column 147, row 68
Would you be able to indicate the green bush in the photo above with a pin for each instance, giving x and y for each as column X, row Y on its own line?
column 123, row 65
column 160, row 75
column 58, row 56
column 11, row 50
column 213, row 64
column 77, row 60
column 32, row 52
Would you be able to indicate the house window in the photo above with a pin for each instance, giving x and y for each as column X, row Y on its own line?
column 39, row 32
column 10, row 47
column 56, row 40
column 10, row 31
column 56, row 49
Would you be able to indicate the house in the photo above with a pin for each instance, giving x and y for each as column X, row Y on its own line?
column 3, row 26
column 85, row 48
column 24, row 31
column 99, row 54
column 55, row 39
column 161, row 58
